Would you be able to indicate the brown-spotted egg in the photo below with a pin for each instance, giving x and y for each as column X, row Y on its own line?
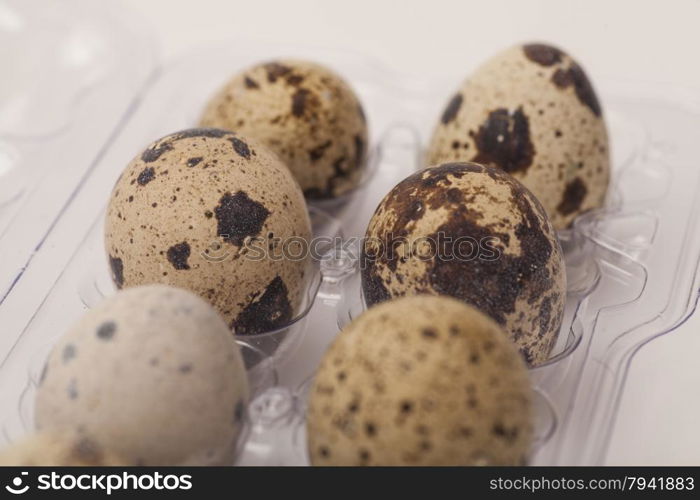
column 216, row 213
column 531, row 111
column 421, row 381
column 58, row 449
column 305, row 113
column 151, row 374
column 477, row 234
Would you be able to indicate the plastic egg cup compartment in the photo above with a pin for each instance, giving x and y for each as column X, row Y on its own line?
column 632, row 267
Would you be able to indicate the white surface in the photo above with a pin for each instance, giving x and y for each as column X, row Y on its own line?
column 639, row 40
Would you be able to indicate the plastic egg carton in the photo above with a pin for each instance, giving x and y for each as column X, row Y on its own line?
column 70, row 125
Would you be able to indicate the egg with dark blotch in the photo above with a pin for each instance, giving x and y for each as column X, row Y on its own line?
column 531, row 111
column 305, row 113
column 421, row 381
column 213, row 212
column 477, row 234
column 64, row 449
column 152, row 374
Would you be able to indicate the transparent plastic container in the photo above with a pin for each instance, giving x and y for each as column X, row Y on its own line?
column 632, row 266
column 72, row 75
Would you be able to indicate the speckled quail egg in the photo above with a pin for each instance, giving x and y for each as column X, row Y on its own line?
column 58, row 450
column 215, row 213
column 477, row 234
column 531, row 111
column 306, row 114
column 421, row 381
column 152, row 374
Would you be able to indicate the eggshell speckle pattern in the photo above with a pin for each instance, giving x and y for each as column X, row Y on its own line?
column 490, row 244
column 58, row 450
column 208, row 210
column 306, row 114
column 421, row 381
column 152, row 374
column 531, row 111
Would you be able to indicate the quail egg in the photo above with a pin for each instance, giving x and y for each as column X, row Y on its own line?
column 58, row 450
column 477, row 234
column 152, row 374
column 421, row 380
column 532, row 112
column 305, row 113
column 218, row 214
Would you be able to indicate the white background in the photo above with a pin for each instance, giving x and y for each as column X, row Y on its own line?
column 653, row 41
